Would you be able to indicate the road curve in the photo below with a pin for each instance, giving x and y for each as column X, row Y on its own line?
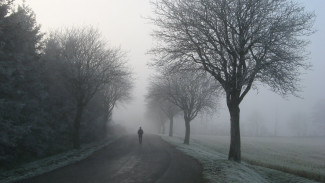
column 126, row 161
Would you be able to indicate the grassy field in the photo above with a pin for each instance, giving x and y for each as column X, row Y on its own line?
column 303, row 156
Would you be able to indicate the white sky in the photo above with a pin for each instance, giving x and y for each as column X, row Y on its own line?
column 123, row 24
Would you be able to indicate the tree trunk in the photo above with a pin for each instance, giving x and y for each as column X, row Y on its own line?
column 76, row 127
column 106, row 116
column 109, row 114
column 163, row 128
column 187, row 132
column 234, row 151
column 171, row 124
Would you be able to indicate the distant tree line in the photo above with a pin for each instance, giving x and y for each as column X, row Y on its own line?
column 181, row 92
column 57, row 91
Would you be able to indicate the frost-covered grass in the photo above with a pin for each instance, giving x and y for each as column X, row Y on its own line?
column 216, row 167
column 303, row 156
column 51, row 163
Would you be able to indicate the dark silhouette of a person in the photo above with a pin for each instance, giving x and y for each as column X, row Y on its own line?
column 140, row 133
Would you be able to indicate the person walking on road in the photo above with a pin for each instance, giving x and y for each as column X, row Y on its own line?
column 140, row 133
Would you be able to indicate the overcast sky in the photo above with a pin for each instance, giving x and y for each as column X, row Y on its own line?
column 123, row 24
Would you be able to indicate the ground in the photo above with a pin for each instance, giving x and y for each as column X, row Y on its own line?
column 302, row 156
column 125, row 160
column 217, row 169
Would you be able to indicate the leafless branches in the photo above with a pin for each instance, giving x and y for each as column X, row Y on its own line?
column 89, row 65
column 192, row 93
column 239, row 42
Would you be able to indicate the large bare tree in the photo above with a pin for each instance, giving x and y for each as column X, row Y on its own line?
column 193, row 93
column 241, row 43
column 87, row 65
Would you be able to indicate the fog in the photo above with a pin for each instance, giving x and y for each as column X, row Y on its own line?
column 125, row 25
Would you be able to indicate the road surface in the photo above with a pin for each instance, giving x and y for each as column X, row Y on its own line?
column 126, row 161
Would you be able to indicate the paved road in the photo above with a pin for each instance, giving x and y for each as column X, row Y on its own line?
column 126, row 161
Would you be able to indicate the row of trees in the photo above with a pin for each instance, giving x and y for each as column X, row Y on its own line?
column 87, row 66
column 240, row 43
column 181, row 91
column 57, row 90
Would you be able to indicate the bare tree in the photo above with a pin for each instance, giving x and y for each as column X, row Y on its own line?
column 155, row 113
column 87, row 65
column 241, row 43
column 117, row 90
column 169, row 109
column 193, row 93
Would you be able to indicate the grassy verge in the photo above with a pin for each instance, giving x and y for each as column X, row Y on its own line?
column 216, row 167
column 303, row 157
